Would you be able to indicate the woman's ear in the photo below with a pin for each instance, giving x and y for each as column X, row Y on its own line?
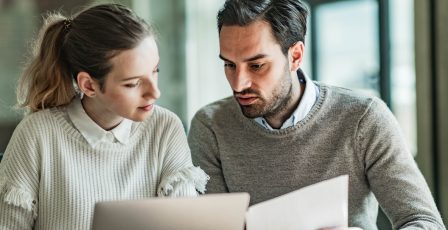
column 295, row 56
column 87, row 84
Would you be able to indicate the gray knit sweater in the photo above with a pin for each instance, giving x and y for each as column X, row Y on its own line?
column 344, row 133
column 51, row 178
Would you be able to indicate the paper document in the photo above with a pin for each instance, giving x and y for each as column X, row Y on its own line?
column 320, row 205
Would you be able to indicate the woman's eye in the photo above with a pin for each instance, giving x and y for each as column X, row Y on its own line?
column 132, row 85
column 156, row 70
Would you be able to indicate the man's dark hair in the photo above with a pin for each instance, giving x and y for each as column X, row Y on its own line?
column 286, row 17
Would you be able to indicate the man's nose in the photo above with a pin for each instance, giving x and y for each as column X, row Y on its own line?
column 241, row 80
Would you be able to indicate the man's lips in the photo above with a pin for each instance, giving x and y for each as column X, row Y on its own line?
column 147, row 107
column 246, row 100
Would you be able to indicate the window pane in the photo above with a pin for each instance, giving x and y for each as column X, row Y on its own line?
column 206, row 81
column 403, row 68
column 16, row 26
column 347, row 44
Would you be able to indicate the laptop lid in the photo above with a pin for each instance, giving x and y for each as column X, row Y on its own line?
column 224, row 211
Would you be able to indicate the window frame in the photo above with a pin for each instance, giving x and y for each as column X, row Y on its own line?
column 383, row 40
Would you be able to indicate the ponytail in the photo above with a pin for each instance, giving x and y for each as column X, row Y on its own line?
column 47, row 81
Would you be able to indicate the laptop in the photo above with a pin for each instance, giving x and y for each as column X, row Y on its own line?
column 224, row 211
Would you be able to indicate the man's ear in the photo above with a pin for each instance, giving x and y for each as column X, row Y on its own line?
column 87, row 84
column 295, row 56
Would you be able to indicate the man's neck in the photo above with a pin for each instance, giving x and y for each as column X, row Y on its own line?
column 276, row 121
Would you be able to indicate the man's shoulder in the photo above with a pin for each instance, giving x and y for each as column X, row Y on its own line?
column 349, row 97
column 353, row 103
column 217, row 110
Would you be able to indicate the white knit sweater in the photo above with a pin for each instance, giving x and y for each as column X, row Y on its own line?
column 51, row 178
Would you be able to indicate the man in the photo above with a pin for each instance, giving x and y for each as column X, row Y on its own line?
column 281, row 132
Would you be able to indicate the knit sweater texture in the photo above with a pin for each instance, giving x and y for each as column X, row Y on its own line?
column 51, row 178
column 344, row 133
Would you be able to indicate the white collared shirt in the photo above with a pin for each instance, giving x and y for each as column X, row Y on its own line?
column 307, row 101
column 91, row 131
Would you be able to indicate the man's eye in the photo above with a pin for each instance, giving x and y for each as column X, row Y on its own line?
column 229, row 65
column 257, row 66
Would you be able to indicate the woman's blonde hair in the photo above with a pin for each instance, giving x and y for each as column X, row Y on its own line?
column 67, row 46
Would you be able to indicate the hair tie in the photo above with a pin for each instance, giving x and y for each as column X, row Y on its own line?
column 67, row 24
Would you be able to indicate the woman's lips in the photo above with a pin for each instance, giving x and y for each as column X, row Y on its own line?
column 147, row 107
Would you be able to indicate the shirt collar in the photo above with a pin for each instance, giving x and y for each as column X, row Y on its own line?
column 91, row 131
column 307, row 101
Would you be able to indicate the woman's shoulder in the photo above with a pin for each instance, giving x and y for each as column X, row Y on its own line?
column 40, row 121
column 39, row 117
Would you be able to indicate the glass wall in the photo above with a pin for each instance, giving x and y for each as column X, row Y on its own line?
column 17, row 24
column 347, row 46
column 402, row 53
column 206, row 81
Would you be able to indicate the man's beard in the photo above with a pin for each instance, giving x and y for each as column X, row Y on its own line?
column 277, row 102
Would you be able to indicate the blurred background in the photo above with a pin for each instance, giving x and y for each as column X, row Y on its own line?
column 394, row 49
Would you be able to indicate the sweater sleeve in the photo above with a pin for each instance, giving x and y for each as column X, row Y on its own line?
column 205, row 153
column 392, row 173
column 179, row 176
column 19, row 179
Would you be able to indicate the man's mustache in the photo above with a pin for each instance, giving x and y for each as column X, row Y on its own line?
column 246, row 91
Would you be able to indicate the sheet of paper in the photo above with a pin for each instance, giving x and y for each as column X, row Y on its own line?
column 320, row 205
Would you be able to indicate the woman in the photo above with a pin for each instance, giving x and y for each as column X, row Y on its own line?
column 104, row 139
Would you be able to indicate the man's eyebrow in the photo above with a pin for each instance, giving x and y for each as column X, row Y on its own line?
column 256, row 57
column 224, row 59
